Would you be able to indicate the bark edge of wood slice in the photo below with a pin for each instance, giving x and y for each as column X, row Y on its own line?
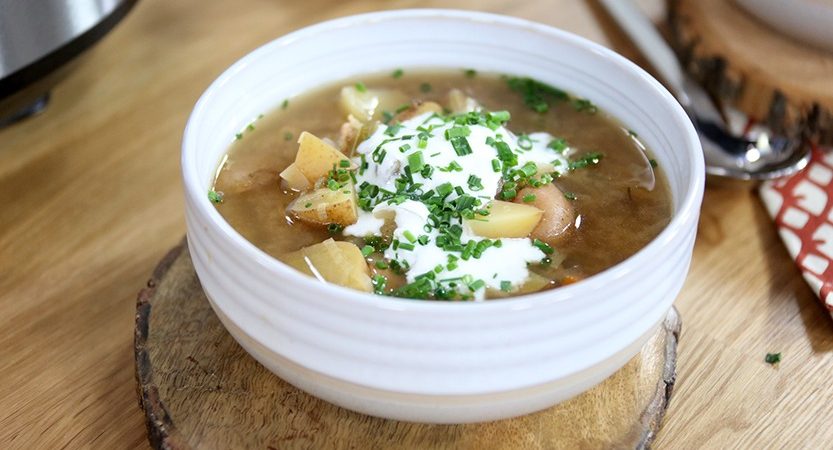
column 199, row 389
column 772, row 78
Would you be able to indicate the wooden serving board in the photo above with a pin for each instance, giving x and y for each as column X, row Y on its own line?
column 199, row 389
column 769, row 76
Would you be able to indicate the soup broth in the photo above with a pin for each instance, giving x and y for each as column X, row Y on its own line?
column 611, row 199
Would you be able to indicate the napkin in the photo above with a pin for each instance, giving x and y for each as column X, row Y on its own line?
column 802, row 207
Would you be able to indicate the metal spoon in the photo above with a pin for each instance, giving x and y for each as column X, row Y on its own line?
column 732, row 149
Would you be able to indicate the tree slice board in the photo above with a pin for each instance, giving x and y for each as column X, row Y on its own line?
column 769, row 76
column 200, row 390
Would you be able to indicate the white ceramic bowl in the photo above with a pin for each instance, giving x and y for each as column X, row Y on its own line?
column 431, row 361
column 810, row 21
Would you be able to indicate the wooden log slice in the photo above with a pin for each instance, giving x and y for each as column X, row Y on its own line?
column 200, row 389
column 772, row 78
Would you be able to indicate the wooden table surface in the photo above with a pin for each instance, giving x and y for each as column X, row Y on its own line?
column 92, row 200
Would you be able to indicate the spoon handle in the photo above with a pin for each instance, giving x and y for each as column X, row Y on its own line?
column 650, row 43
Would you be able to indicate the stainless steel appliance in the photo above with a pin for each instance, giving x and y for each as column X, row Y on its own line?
column 40, row 40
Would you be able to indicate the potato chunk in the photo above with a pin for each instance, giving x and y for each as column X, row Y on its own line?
column 324, row 206
column 505, row 220
column 458, row 102
column 294, row 179
column 316, row 158
column 558, row 212
column 369, row 104
column 334, row 262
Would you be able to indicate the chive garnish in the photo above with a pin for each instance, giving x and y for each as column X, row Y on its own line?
column 397, row 73
column 529, row 198
column 506, row 286
column 461, row 146
column 415, row 161
column 425, row 87
column 543, row 246
column 367, row 250
column 285, row 104
column 361, row 87
column 569, row 195
column 215, row 197
column 470, row 73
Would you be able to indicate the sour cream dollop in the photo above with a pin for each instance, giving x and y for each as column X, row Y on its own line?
column 407, row 167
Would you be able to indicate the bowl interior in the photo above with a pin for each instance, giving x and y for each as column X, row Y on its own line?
column 335, row 50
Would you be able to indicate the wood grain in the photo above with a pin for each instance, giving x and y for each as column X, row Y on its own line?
column 92, row 200
column 774, row 79
column 201, row 390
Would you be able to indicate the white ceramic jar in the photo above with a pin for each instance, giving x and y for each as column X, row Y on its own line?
column 431, row 361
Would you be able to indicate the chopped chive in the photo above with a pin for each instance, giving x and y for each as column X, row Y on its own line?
column 334, row 228
column 470, row 73
column 361, row 87
column 287, row 136
column 381, row 265
column 584, row 105
column 406, row 246
column 558, row 144
column 475, row 183
column 477, row 284
column 524, row 142
column 397, row 73
column 425, row 87
column 344, row 163
column 379, row 282
column 238, row 136
column 250, row 127
column 285, row 104
column 387, row 116
column 506, row 286
column 403, row 107
column 215, row 197
column 569, row 195
column 423, row 239
column 496, row 165
column 333, row 184
column 404, row 148
column 415, row 161
column 409, row 236
column 461, row 146
column 499, row 116
column 508, row 194
column 463, row 131
column 529, row 198
column 653, row 163
column 543, row 246
column 632, row 133
column 444, row 189
column 773, row 358
column 367, row 250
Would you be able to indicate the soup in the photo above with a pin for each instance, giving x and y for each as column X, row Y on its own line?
column 442, row 185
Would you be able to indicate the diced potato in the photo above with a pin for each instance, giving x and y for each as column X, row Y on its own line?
column 458, row 102
column 558, row 212
column 324, row 205
column 351, row 133
column 505, row 220
column 369, row 105
column 532, row 284
column 334, row 262
column 316, row 158
column 294, row 179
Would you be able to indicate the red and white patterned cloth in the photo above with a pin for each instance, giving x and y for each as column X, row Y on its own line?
column 802, row 207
